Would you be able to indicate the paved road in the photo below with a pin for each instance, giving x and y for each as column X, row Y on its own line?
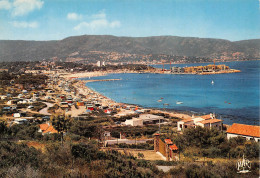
column 44, row 111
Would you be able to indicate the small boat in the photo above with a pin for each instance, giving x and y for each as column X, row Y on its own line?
column 179, row 102
column 159, row 100
column 212, row 82
column 166, row 104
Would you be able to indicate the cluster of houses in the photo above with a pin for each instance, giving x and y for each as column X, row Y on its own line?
column 249, row 132
column 199, row 69
column 206, row 121
column 16, row 105
column 69, row 96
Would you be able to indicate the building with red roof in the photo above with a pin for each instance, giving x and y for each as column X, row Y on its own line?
column 46, row 128
column 168, row 141
column 250, row 132
column 173, row 147
column 206, row 121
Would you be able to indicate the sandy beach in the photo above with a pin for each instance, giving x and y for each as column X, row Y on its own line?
column 80, row 85
column 83, row 74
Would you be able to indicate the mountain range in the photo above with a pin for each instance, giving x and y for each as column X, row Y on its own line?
column 80, row 46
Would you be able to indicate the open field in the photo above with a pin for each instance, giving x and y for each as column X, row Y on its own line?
column 148, row 154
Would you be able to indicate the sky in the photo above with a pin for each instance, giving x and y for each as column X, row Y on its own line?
column 43, row 20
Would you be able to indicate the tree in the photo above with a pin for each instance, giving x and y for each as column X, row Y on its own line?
column 141, row 155
column 3, row 128
column 61, row 123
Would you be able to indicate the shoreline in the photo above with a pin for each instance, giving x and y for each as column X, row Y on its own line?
column 172, row 113
column 186, row 113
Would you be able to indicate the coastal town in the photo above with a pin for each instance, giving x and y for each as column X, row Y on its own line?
column 129, row 89
column 52, row 103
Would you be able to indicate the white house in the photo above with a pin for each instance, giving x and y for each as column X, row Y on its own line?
column 145, row 119
column 3, row 97
column 250, row 132
column 151, row 119
column 206, row 121
column 11, row 102
column 134, row 122
column 17, row 115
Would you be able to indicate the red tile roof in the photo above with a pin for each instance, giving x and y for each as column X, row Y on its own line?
column 173, row 147
column 50, row 130
column 46, row 128
column 168, row 141
column 186, row 120
column 210, row 121
column 206, row 117
column 242, row 129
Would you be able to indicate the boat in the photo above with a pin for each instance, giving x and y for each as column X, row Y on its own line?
column 179, row 102
column 212, row 82
column 159, row 100
column 166, row 104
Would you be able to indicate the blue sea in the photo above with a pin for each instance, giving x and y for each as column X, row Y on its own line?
column 233, row 97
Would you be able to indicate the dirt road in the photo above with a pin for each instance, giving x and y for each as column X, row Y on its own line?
column 44, row 111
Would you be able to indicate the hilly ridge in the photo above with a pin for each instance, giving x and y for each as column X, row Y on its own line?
column 17, row 50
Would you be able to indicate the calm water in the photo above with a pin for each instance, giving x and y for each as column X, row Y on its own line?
column 235, row 97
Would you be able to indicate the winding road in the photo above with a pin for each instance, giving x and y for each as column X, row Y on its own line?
column 44, row 111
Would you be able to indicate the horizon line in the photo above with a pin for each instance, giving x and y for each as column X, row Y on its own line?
column 130, row 37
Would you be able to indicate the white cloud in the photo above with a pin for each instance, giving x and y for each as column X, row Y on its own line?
column 23, row 7
column 23, row 24
column 5, row 4
column 74, row 16
column 96, row 24
column 115, row 24
column 100, row 15
column 98, row 21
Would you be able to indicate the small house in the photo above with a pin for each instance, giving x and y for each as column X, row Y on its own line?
column 107, row 135
column 134, row 122
column 46, row 128
column 11, row 102
column 249, row 132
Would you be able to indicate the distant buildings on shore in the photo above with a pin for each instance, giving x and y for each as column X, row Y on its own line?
column 101, row 63
column 209, row 69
